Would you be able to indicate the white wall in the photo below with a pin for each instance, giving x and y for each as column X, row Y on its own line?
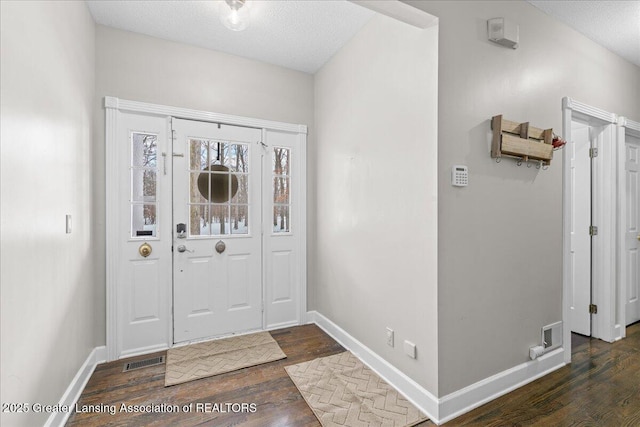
column 376, row 170
column 500, row 238
column 142, row 68
column 49, row 306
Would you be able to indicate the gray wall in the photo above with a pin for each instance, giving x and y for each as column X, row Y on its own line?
column 48, row 293
column 376, row 163
column 142, row 68
column 500, row 238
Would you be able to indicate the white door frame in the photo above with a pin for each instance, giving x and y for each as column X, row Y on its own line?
column 113, row 106
column 604, row 325
column 625, row 127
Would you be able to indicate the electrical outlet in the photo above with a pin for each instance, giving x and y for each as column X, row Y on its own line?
column 390, row 337
column 410, row 349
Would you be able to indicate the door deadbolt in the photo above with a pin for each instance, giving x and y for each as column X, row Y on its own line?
column 181, row 230
column 145, row 249
column 220, row 247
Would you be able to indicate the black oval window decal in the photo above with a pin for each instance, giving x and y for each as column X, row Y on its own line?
column 220, row 191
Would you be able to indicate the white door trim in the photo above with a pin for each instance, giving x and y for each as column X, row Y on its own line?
column 604, row 326
column 113, row 106
column 625, row 127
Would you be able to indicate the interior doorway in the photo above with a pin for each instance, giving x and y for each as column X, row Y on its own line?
column 590, row 286
column 206, row 226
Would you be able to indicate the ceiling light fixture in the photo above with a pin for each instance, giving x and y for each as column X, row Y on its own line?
column 234, row 14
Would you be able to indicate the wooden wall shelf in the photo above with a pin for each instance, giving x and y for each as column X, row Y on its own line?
column 521, row 141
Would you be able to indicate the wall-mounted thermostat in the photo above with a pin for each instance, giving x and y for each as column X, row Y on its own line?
column 459, row 176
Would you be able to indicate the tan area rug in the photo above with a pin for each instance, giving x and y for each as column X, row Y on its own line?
column 206, row 359
column 342, row 391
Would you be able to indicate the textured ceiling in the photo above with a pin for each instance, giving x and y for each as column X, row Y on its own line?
column 301, row 35
column 612, row 24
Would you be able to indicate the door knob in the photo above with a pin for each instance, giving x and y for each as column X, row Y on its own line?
column 220, row 247
column 182, row 248
column 638, row 236
column 145, row 249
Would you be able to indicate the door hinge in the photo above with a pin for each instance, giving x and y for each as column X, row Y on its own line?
column 593, row 309
column 593, row 230
column 593, row 152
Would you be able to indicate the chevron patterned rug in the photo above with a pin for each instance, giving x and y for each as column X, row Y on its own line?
column 342, row 391
column 206, row 359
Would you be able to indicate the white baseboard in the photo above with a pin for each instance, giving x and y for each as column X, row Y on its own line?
column 77, row 385
column 444, row 409
column 488, row 389
column 414, row 392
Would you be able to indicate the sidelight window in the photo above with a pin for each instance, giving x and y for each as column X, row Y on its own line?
column 280, row 167
column 144, row 173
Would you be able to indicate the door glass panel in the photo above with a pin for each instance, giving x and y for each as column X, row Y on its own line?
column 239, row 158
column 143, row 180
column 280, row 164
column 281, row 219
column 145, row 149
column 199, row 220
column 143, row 185
column 281, row 189
column 198, row 154
column 194, row 192
column 281, row 186
column 242, row 194
column 220, row 220
column 218, row 181
column 239, row 219
column 143, row 220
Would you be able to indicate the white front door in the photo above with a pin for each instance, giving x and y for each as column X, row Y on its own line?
column 238, row 262
column 217, row 255
column 632, row 229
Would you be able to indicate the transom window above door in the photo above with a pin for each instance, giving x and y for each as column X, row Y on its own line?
column 218, row 187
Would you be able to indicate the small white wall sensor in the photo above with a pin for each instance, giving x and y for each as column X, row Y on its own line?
column 459, row 176
column 503, row 32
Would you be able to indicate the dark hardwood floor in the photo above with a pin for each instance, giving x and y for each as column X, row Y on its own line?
column 277, row 400
column 600, row 388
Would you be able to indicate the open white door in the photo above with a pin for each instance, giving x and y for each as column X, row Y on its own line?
column 580, row 252
column 631, row 224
